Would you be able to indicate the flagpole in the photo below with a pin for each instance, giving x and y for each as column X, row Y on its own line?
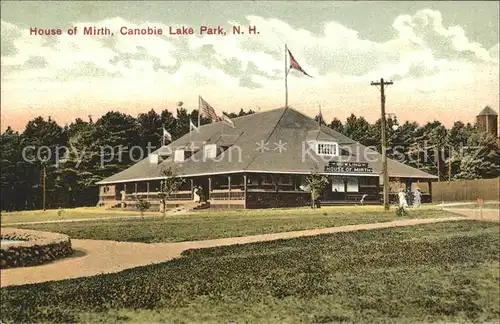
column 222, row 126
column 199, row 109
column 163, row 135
column 286, row 77
column 319, row 117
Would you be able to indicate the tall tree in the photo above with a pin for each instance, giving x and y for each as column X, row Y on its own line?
column 480, row 158
column 13, row 181
column 118, row 136
column 336, row 125
column 41, row 140
column 150, row 130
column 358, row 129
column 182, row 126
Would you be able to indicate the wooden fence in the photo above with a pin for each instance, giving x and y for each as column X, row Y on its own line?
column 466, row 190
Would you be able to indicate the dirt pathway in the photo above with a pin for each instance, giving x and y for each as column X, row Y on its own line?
column 94, row 257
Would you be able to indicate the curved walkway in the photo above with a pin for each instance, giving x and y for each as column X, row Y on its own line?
column 93, row 257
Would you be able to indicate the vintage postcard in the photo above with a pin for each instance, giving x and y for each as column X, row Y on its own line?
column 250, row 162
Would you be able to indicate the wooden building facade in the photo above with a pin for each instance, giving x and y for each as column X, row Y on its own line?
column 262, row 162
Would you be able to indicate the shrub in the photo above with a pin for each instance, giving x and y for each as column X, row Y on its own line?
column 402, row 212
column 142, row 205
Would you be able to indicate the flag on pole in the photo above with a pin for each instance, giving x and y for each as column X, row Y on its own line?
column 193, row 127
column 225, row 119
column 295, row 65
column 207, row 110
column 320, row 116
column 166, row 135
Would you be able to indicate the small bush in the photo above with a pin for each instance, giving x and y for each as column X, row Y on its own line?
column 60, row 213
column 401, row 212
column 142, row 206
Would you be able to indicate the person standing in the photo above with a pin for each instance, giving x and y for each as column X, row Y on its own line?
column 196, row 196
column 402, row 199
column 417, row 200
column 409, row 196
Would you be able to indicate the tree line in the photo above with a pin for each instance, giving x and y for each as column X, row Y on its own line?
column 71, row 173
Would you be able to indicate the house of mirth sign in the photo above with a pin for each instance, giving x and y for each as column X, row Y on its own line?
column 348, row 167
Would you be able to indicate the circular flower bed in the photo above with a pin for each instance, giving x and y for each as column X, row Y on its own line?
column 36, row 247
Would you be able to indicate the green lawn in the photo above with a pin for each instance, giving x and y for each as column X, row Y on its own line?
column 67, row 214
column 93, row 212
column 210, row 225
column 438, row 272
column 488, row 205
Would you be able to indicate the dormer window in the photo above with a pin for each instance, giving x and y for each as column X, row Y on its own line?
column 179, row 156
column 210, row 151
column 327, row 148
column 154, row 158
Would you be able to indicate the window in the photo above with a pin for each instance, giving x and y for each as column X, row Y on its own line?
column 179, row 156
column 267, row 180
column 338, row 184
column 352, row 184
column 153, row 158
column 285, row 180
column 210, row 151
column 326, row 148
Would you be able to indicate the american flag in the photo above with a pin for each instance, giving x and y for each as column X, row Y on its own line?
column 207, row 110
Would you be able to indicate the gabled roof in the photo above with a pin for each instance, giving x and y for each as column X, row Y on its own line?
column 271, row 141
column 488, row 111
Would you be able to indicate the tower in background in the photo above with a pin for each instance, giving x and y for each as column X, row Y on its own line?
column 487, row 120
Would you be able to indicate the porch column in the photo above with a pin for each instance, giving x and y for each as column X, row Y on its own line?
column 192, row 189
column 430, row 188
column 209, row 187
column 135, row 189
column 276, row 178
column 147, row 190
column 229, row 186
column 124, row 197
column 245, row 191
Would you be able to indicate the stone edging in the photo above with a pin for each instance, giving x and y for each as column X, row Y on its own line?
column 40, row 247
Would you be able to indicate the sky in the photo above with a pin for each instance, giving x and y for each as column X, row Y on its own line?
column 443, row 58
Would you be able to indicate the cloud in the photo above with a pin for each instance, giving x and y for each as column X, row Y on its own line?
column 425, row 56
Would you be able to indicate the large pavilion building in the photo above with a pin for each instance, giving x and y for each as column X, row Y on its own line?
column 262, row 162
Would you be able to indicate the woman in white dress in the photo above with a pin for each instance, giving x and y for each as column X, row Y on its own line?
column 402, row 199
column 417, row 200
column 196, row 196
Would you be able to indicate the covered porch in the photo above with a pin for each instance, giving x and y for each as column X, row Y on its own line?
column 258, row 190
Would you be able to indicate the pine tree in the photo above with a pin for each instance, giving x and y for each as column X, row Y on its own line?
column 480, row 158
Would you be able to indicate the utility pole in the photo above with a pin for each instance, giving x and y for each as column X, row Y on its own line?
column 385, row 174
column 44, row 176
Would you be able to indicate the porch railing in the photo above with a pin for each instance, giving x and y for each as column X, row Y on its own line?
column 236, row 194
column 179, row 195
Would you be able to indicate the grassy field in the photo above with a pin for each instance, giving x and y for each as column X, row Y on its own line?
column 210, row 225
column 492, row 205
column 93, row 212
column 437, row 272
column 66, row 214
